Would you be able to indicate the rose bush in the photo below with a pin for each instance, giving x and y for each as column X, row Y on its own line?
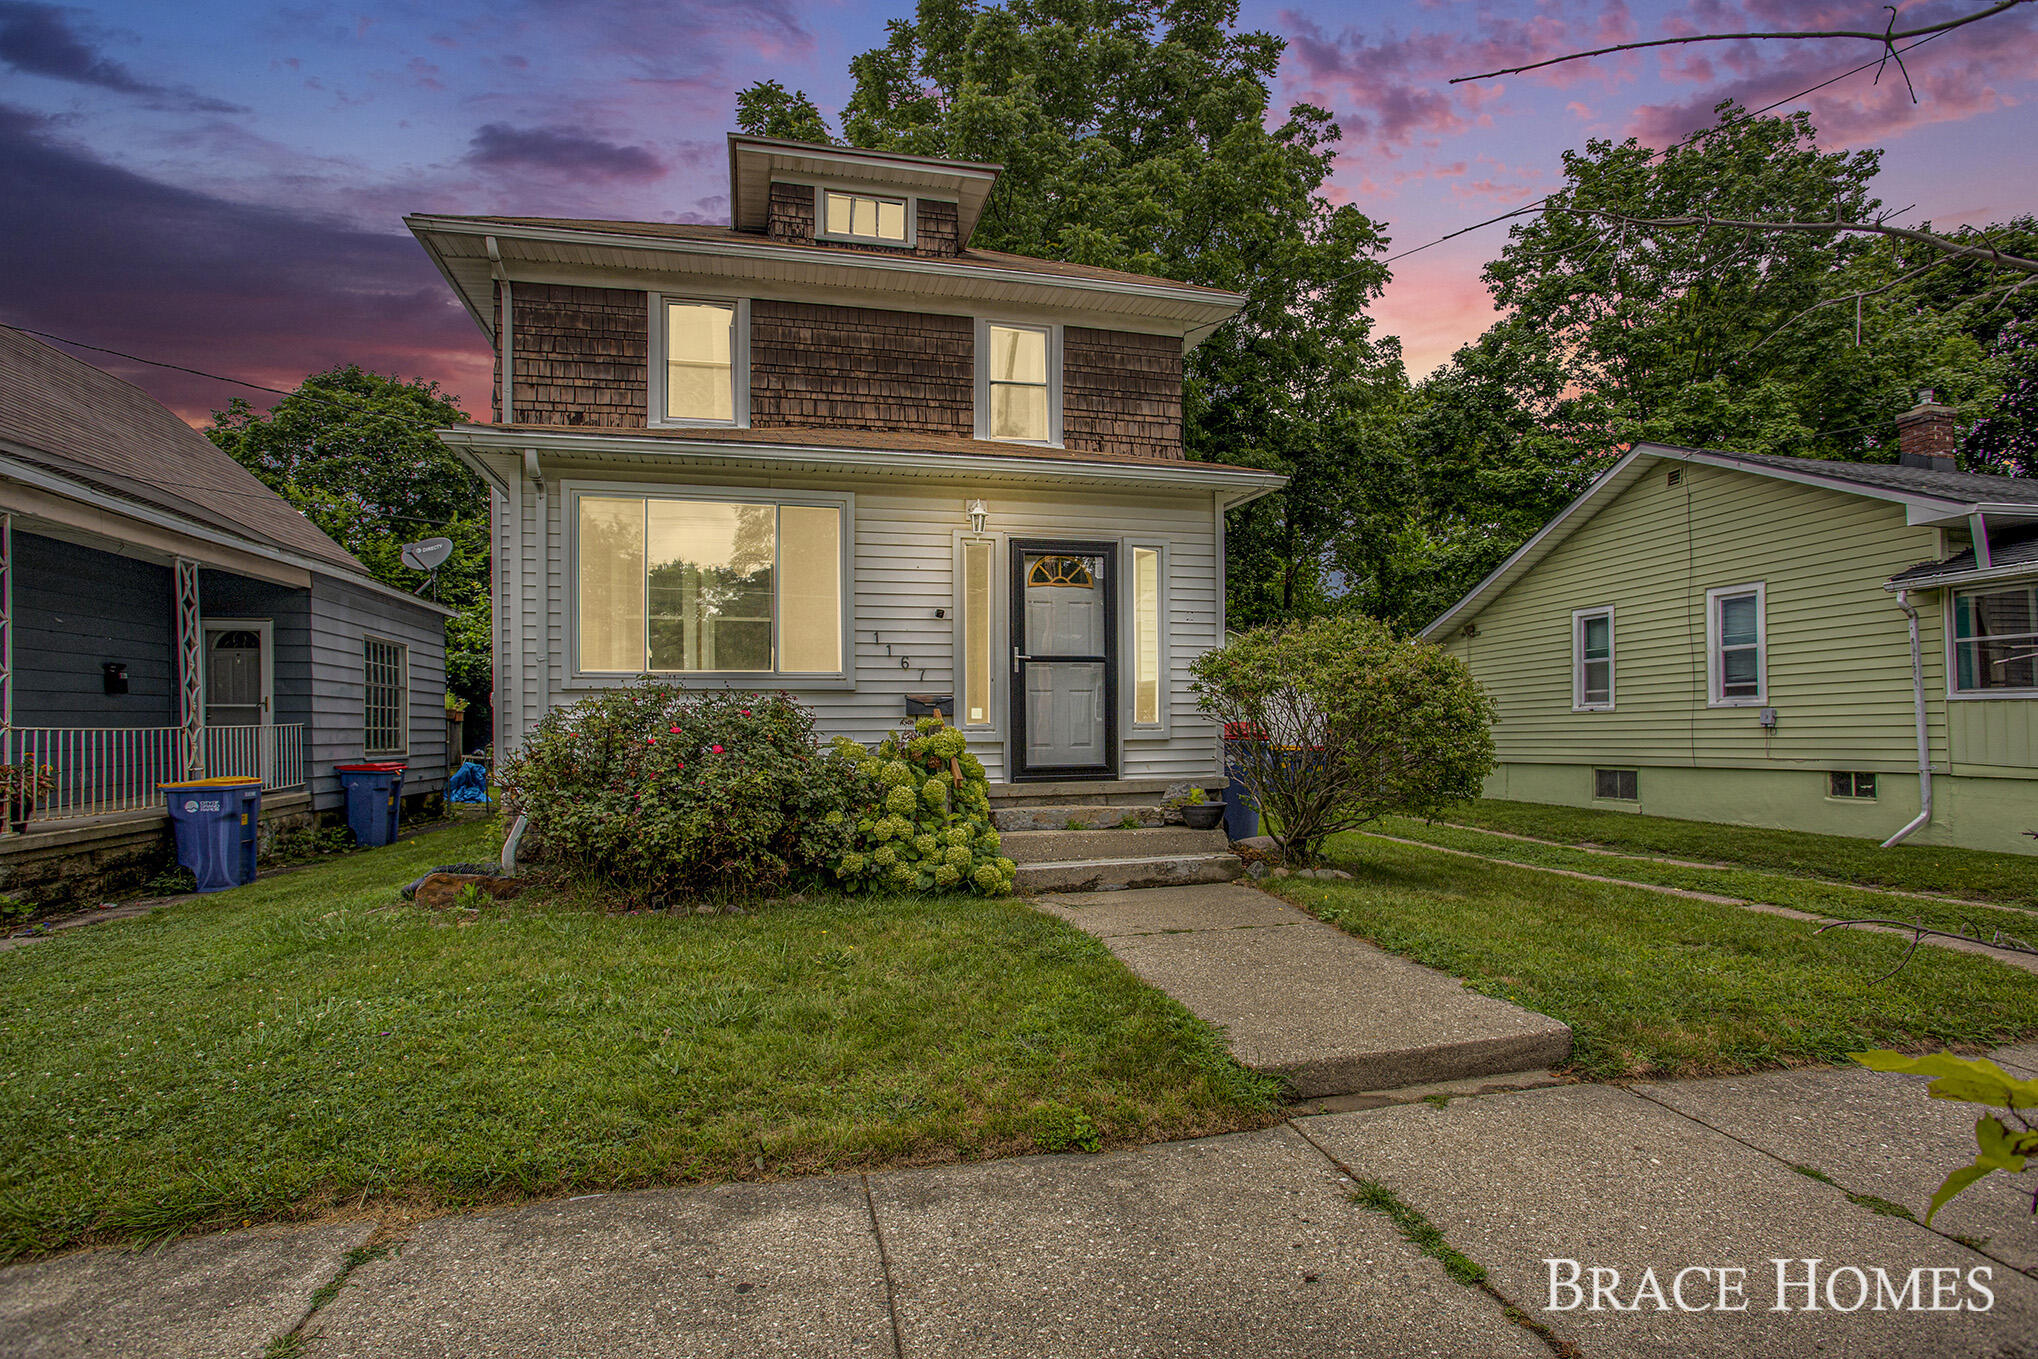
column 922, row 817
column 659, row 791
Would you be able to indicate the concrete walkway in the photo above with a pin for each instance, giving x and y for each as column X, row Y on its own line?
column 1304, row 1000
column 1248, row 1245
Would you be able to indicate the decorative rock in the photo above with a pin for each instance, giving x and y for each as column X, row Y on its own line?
column 1262, row 846
column 440, row 890
column 1256, row 869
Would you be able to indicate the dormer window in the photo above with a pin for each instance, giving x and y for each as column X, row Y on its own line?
column 863, row 217
column 1018, row 383
column 700, row 362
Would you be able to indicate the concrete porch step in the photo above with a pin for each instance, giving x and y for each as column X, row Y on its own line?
column 1113, row 875
column 1064, row 846
column 1075, row 816
column 1084, row 792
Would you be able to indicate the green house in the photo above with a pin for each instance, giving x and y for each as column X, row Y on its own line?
column 1842, row 647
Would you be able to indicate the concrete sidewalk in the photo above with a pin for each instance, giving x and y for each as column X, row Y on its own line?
column 1304, row 1000
column 1249, row 1245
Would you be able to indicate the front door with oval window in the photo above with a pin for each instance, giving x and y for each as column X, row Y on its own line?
column 1064, row 660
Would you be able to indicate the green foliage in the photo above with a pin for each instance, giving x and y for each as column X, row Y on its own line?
column 354, row 451
column 1062, row 1127
column 2005, row 439
column 1139, row 135
column 1973, row 1080
column 1341, row 722
column 916, row 829
column 654, row 790
column 1420, row 1232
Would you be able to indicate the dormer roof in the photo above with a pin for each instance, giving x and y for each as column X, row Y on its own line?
column 754, row 162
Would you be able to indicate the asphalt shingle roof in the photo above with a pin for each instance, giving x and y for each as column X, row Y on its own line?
column 73, row 419
column 2011, row 551
column 1966, row 487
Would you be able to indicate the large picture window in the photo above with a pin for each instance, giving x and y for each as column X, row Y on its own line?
column 678, row 586
column 1995, row 640
column 1018, row 389
column 700, row 363
column 1736, row 646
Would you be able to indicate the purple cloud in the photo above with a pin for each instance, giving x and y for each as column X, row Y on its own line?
column 37, row 39
column 498, row 146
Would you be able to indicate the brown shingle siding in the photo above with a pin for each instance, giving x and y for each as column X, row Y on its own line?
column 581, row 355
column 789, row 214
column 860, row 368
column 936, row 230
column 1121, row 392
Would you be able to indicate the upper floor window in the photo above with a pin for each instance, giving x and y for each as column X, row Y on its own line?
column 1018, row 383
column 1737, row 646
column 701, row 363
column 1995, row 640
column 864, row 217
column 1592, row 659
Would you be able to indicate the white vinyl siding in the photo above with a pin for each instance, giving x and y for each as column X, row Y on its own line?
column 903, row 586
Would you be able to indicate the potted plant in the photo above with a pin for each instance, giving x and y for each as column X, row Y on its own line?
column 22, row 786
column 1199, row 812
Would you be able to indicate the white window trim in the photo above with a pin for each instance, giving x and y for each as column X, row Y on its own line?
column 739, row 364
column 1952, row 653
column 1129, row 640
column 403, row 691
column 1578, row 703
column 823, row 188
column 983, row 380
column 1713, row 679
column 998, row 704
column 844, row 678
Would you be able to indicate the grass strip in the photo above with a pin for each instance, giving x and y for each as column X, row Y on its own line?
column 1660, row 986
column 310, row 1040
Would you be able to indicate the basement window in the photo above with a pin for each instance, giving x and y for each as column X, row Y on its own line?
column 1851, row 785
column 1616, row 785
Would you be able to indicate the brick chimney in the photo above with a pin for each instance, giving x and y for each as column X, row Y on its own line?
column 1926, row 436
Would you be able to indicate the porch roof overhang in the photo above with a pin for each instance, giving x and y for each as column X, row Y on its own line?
column 94, row 516
column 1232, row 485
column 472, row 252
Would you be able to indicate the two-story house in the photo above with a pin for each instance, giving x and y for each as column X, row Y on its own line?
column 833, row 449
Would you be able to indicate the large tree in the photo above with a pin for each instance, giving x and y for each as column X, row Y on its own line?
column 354, row 451
column 1136, row 134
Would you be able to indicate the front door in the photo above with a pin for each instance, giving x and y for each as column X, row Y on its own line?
column 238, row 697
column 1064, row 660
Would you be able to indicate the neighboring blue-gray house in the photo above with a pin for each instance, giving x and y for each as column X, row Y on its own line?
column 164, row 615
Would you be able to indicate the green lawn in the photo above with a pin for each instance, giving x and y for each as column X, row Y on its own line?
column 1653, row 985
column 1978, row 874
column 310, row 1040
column 1818, row 896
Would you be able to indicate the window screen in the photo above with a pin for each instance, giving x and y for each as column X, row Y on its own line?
column 1620, row 785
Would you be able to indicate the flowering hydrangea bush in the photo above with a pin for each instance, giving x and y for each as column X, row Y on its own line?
column 663, row 791
column 922, row 817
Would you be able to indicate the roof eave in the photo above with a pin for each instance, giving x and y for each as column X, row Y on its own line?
column 1168, row 472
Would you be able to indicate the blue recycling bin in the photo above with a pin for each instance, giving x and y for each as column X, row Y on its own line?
column 215, row 821
column 374, row 800
column 1241, row 814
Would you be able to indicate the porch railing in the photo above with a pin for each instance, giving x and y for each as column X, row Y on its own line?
column 104, row 770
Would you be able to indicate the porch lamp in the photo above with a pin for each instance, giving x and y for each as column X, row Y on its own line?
column 978, row 516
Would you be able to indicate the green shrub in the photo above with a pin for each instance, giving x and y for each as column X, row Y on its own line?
column 1337, row 722
column 917, row 828
column 658, row 790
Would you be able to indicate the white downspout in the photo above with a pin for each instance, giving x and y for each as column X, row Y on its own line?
column 1903, row 601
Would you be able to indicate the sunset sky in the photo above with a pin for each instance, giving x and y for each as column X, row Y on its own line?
column 221, row 185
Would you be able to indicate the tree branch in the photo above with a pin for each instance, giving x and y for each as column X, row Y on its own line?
column 1952, row 248
column 1888, row 39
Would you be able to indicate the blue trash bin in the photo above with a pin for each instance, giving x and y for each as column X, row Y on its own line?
column 215, row 821
column 374, row 800
column 1241, row 815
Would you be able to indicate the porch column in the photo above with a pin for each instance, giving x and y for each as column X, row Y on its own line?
column 190, row 668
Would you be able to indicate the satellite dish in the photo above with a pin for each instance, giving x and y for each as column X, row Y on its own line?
column 428, row 555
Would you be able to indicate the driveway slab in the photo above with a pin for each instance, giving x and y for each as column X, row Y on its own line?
column 1874, row 1132
column 736, row 1270
column 1597, row 1175
column 203, row 1297
column 1241, row 1246
column 1305, row 1000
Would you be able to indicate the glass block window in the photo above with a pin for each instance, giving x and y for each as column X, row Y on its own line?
column 387, row 698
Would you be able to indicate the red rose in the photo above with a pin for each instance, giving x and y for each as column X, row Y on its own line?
column 716, row 749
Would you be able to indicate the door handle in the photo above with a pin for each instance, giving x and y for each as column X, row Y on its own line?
column 1016, row 658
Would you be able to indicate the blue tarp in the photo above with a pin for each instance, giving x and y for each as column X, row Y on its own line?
column 470, row 784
